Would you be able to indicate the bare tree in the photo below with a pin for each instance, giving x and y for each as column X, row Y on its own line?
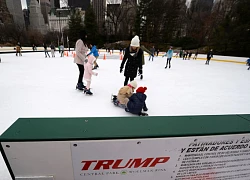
column 118, row 15
column 15, row 32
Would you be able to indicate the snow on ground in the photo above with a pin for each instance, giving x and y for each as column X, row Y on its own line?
column 34, row 86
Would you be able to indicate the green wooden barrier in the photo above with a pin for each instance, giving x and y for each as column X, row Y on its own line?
column 73, row 131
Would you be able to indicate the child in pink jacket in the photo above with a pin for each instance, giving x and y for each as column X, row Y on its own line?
column 88, row 73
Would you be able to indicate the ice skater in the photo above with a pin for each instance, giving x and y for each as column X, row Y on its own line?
column 137, row 102
column 152, row 50
column 209, row 56
column 169, row 55
column 18, row 49
column 52, row 47
column 95, row 53
column 46, row 50
column 185, row 54
column 248, row 63
column 62, row 50
column 124, row 93
column 195, row 56
column 133, row 60
column 81, row 49
column 88, row 66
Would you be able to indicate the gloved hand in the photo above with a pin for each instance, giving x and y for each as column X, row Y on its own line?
column 152, row 55
column 140, row 72
column 121, row 69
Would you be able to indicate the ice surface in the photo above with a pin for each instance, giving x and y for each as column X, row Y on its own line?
column 34, row 86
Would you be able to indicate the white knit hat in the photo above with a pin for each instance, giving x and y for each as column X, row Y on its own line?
column 135, row 42
column 133, row 84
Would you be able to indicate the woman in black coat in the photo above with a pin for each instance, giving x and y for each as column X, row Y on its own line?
column 133, row 60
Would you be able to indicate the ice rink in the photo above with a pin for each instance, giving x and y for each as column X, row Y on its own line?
column 35, row 86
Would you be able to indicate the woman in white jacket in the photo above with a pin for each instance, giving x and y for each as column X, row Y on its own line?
column 81, row 49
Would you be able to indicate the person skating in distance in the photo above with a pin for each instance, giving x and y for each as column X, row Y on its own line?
column 209, row 56
column 169, row 55
column 248, row 63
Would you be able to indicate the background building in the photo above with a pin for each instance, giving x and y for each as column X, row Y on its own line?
column 26, row 15
column 36, row 17
column 15, row 9
column 59, row 20
column 55, row 4
column 84, row 4
column 99, row 7
column 113, row 14
column 45, row 9
column 28, row 3
column 129, row 15
column 5, row 16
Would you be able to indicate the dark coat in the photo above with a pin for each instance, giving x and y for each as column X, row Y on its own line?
column 209, row 55
column 133, row 61
column 136, row 103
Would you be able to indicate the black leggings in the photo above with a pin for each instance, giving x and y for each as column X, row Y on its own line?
column 168, row 62
column 127, row 79
column 81, row 72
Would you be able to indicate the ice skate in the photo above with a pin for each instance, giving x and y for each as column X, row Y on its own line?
column 80, row 86
column 88, row 92
column 113, row 97
column 143, row 114
column 141, row 77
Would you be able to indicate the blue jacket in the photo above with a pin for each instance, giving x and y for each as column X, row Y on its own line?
column 169, row 54
column 94, row 51
column 136, row 103
column 248, row 61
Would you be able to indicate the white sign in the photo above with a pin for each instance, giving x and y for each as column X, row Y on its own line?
column 182, row 158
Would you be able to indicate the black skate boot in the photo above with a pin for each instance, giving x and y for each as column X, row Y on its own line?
column 143, row 114
column 88, row 92
column 80, row 86
column 145, row 109
column 141, row 77
column 113, row 98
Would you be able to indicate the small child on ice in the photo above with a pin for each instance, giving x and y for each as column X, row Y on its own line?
column 88, row 65
column 124, row 93
column 137, row 103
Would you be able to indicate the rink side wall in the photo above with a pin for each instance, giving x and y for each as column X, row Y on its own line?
column 232, row 59
column 55, row 148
